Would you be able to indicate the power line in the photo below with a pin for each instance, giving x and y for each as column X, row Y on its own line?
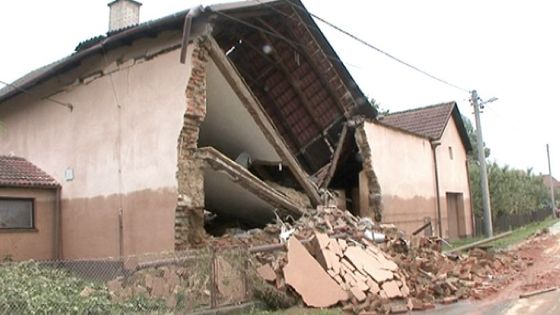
column 356, row 38
column 48, row 98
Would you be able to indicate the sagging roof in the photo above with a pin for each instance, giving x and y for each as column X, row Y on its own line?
column 303, row 86
column 296, row 76
column 429, row 121
column 18, row 172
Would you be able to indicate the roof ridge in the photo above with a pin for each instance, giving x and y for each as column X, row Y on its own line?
column 421, row 108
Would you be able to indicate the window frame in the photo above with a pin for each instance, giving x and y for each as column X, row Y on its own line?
column 33, row 228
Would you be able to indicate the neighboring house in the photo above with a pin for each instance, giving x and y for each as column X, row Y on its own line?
column 420, row 159
column 148, row 126
column 29, row 207
column 547, row 182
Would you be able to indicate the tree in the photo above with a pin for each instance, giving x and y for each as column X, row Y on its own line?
column 378, row 107
column 511, row 190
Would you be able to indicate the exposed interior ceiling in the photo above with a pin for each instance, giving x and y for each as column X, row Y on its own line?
column 228, row 126
column 225, row 197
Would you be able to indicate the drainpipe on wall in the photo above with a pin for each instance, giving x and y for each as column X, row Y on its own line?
column 57, row 239
column 435, row 144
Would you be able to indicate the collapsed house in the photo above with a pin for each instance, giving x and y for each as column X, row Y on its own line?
column 241, row 110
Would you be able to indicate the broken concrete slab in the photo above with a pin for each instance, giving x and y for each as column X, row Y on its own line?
column 228, row 185
column 358, row 294
column 391, row 288
column 367, row 263
column 306, row 276
column 267, row 273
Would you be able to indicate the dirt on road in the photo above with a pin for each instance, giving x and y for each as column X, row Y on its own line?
column 542, row 257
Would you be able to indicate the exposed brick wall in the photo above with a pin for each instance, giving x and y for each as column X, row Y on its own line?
column 189, row 215
column 375, row 205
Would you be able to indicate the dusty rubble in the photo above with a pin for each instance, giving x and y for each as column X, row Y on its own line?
column 335, row 259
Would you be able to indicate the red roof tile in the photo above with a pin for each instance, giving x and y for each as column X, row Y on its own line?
column 427, row 121
column 18, row 172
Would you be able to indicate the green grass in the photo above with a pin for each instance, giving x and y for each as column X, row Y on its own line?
column 517, row 235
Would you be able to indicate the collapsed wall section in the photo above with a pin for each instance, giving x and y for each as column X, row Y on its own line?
column 189, row 215
column 372, row 205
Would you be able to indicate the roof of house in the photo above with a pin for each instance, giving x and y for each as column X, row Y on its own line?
column 546, row 179
column 18, row 172
column 308, row 110
column 429, row 121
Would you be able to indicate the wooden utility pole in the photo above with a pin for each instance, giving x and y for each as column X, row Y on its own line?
column 487, row 211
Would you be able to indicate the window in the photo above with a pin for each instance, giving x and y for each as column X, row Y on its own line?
column 16, row 213
column 450, row 153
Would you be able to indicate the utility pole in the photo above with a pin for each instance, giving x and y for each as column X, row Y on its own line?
column 551, row 182
column 487, row 211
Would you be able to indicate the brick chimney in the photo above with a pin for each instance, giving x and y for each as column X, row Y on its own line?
column 123, row 13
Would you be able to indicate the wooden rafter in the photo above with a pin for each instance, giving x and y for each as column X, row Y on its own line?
column 251, row 102
column 316, row 69
column 295, row 85
column 335, row 158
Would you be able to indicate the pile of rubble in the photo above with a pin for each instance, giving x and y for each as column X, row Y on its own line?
column 333, row 258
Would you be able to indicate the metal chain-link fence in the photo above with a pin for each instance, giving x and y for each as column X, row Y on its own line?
column 179, row 282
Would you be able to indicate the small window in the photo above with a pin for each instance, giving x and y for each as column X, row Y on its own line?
column 450, row 153
column 16, row 213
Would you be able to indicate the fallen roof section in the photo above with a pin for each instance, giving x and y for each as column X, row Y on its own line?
column 249, row 198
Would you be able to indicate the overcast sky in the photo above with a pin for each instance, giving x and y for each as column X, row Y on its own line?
column 504, row 49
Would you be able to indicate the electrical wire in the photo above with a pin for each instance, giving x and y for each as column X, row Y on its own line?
column 356, row 38
column 279, row 36
column 48, row 98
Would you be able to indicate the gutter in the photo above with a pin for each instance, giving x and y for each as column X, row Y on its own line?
column 57, row 235
column 435, row 144
column 112, row 41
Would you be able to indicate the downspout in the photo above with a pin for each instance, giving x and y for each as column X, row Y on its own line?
column 57, row 239
column 435, row 144
column 187, row 26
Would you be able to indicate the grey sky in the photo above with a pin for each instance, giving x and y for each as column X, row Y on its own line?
column 507, row 49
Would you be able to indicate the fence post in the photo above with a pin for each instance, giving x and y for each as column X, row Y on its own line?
column 245, row 275
column 213, row 293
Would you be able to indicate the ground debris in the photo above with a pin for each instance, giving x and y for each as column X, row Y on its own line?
column 396, row 274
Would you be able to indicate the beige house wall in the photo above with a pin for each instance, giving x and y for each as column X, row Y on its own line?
column 453, row 175
column 122, row 146
column 31, row 244
column 404, row 165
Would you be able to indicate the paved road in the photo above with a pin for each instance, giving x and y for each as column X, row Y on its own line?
column 542, row 304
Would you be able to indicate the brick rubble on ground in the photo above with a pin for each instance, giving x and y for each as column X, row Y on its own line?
column 394, row 275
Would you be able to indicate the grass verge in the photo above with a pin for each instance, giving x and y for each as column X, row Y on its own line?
column 515, row 237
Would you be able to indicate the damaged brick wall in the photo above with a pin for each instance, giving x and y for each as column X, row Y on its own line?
column 189, row 215
column 375, row 205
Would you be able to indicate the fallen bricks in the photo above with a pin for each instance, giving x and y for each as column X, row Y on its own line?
column 394, row 276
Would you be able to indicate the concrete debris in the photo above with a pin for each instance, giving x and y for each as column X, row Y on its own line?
column 267, row 273
column 362, row 276
column 309, row 279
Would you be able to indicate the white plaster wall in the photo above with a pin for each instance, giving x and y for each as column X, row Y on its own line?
column 453, row 175
column 96, row 134
column 404, row 167
column 120, row 140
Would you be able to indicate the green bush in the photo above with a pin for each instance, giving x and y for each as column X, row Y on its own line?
column 29, row 288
